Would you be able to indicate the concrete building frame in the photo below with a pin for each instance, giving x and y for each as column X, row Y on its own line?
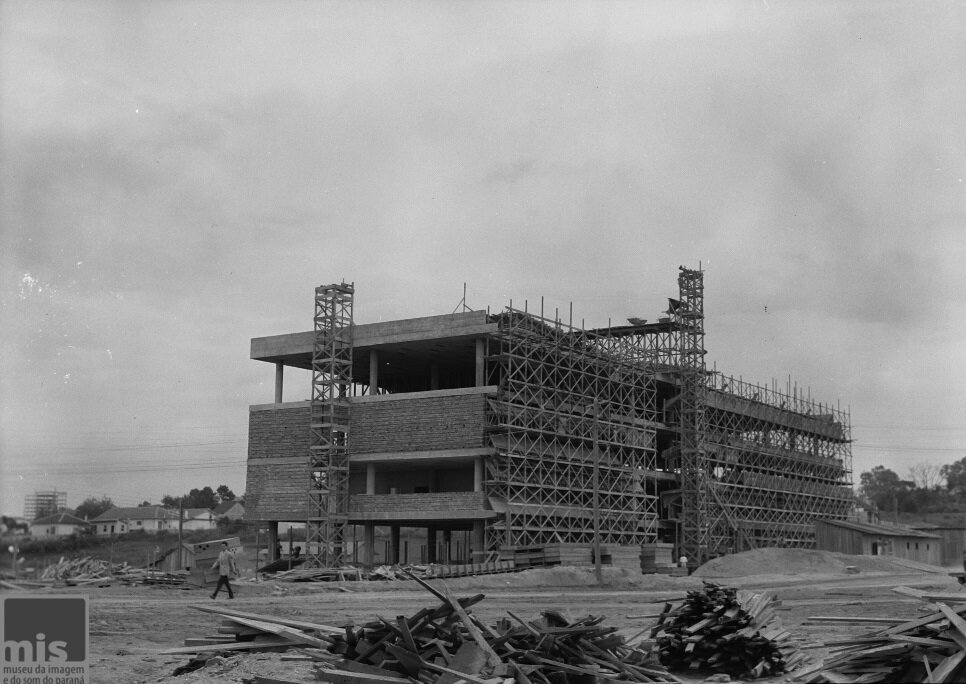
column 517, row 430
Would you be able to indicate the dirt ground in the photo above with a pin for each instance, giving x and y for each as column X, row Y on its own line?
column 130, row 626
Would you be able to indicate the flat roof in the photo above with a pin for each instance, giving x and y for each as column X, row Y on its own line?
column 882, row 530
column 416, row 336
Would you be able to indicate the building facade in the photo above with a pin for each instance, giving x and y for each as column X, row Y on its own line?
column 61, row 524
column 493, row 433
column 149, row 519
column 44, row 503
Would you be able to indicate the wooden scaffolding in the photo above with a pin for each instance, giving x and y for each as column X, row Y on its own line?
column 328, row 494
column 573, row 429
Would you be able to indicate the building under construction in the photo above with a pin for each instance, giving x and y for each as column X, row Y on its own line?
column 513, row 430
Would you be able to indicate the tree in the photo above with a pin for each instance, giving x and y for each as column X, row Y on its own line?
column 955, row 474
column 145, row 504
column 927, row 475
column 883, row 488
column 93, row 507
column 224, row 494
column 201, row 498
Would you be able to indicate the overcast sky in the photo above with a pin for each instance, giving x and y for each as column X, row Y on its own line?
column 177, row 177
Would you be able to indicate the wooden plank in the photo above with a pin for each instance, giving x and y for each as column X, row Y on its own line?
column 909, row 591
column 837, row 618
column 264, row 642
column 948, row 668
column 492, row 656
column 469, row 660
column 347, row 677
column 283, row 631
column 923, row 641
column 953, row 618
column 406, row 634
column 297, row 624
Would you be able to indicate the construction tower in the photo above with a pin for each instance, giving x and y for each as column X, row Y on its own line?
column 328, row 513
column 687, row 315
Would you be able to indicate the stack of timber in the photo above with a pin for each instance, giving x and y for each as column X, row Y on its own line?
column 928, row 649
column 80, row 568
column 93, row 572
column 658, row 558
column 443, row 645
column 243, row 631
column 342, row 574
column 549, row 555
column 726, row 630
column 437, row 571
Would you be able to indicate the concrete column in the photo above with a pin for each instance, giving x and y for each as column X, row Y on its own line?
column 394, row 545
column 479, row 542
column 434, row 377
column 480, row 364
column 279, row 375
column 370, row 478
column 430, row 544
column 373, row 372
column 369, row 539
column 478, row 474
column 273, row 540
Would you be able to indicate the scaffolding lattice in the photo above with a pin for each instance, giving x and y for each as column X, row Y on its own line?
column 568, row 416
column 776, row 461
column 328, row 513
column 700, row 516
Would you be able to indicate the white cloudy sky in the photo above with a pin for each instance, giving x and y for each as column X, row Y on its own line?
column 176, row 177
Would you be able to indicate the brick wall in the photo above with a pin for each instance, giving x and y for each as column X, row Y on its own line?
column 278, row 442
column 278, row 433
column 278, row 448
column 447, row 501
column 418, row 424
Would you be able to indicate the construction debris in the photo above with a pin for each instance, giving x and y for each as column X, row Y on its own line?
column 443, row 645
column 385, row 572
column 95, row 572
column 725, row 630
column 927, row 649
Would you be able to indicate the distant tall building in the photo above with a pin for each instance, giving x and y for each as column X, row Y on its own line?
column 40, row 504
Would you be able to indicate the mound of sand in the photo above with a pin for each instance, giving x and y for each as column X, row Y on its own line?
column 772, row 561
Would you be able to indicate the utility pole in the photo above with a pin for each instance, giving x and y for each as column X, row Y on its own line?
column 597, row 568
column 181, row 533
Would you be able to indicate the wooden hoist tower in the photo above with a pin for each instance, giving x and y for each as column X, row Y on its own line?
column 687, row 313
column 328, row 513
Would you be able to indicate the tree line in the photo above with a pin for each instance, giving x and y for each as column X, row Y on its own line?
column 927, row 488
column 206, row 497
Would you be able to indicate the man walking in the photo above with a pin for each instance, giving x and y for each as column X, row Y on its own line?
column 226, row 567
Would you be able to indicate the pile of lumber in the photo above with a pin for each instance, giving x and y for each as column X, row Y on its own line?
column 931, row 648
column 726, row 630
column 88, row 571
column 320, row 575
column 81, row 570
column 440, row 571
column 443, row 645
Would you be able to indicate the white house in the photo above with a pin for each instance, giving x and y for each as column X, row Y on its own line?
column 152, row 519
column 198, row 519
column 233, row 510
column 61, row 524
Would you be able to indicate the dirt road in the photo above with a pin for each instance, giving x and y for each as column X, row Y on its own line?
column 129, row 626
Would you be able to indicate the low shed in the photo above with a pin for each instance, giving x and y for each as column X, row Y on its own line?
column 954, row 541
column 867, row 539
